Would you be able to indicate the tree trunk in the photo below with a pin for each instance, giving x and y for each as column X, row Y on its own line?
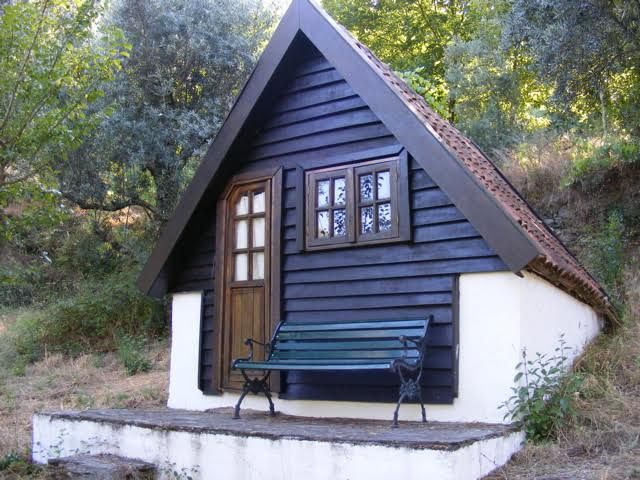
column 167, row 191
column 603, row 112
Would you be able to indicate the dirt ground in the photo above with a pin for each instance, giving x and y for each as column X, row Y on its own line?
column 59, row 383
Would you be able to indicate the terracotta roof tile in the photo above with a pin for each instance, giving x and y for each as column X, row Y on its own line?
column 555, row 263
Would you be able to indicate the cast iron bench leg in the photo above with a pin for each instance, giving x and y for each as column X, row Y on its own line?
column 254, row 385
column 409, row 389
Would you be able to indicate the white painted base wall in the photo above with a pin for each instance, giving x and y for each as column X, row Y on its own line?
column 500, row 314
column 209, row 456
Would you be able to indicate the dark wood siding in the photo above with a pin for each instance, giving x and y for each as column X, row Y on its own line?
column 319, row 121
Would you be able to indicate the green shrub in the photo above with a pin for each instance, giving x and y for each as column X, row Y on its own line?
column 592, row 163
column 543, row 400
column 90, row 321
column 20, row 284
column 131, row 354
column 14, row 465
column 605, row 255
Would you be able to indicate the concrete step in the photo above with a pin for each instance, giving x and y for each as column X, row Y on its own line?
column 258, row 446
column 101, row 467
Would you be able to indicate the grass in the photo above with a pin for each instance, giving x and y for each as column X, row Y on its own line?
column 62, row 383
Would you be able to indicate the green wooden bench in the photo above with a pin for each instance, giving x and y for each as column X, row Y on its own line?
column 395, row 345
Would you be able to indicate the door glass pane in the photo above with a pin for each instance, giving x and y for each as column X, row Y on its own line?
column 339, row 191
column 384, row 217
column 339, row 223
column 258, row 232
column 242, row 207
column 366, row 220
column 241, row 267
column 323, row 224
column 366, row 187
column 258, row 265
column 384, row 187
column 258, row 202
column 242, row 234
column 323, row 193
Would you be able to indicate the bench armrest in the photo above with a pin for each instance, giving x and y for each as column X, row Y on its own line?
column 250, row 341
column 405, row 341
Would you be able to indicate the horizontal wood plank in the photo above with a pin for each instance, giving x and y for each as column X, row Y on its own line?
column 370, row 287
column 294, row 116
column 463, row 248
column 367, row 302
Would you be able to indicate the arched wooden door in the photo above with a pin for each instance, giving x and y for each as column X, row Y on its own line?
column 247, row 266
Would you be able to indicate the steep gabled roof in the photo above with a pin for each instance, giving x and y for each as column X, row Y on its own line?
column 462, row 171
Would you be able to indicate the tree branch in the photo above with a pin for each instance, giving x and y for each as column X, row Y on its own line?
column 112, row 206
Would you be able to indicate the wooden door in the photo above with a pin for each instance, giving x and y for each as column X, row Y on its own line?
column 246, row 291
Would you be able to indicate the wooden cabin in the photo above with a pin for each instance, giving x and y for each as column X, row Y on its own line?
column 334, row 192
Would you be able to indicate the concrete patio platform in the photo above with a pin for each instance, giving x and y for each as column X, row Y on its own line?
column 213, row 445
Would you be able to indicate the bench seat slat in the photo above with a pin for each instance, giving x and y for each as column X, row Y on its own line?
column 326, row 326
column 371, row 355
column 314, row 365
column 354, row 344
column 346, row 334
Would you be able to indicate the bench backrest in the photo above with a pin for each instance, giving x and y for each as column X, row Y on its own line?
column 348, row 341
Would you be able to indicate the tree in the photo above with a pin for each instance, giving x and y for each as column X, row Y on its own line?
column 589, row 50
column 188, row 61
column 498, row 99
column 410, row 34
column 50, row 74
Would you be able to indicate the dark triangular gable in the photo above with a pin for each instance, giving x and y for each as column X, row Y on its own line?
column 305, row 19
column 316, row 119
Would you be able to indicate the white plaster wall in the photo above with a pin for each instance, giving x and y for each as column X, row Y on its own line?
column 547, row 312
column 204, row 455
column 500, row 313
column 185, row 353
column 489, row 344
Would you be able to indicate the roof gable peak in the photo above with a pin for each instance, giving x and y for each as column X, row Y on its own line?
column 459, row 168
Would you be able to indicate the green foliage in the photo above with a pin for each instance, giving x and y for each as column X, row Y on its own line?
column 432, row 93
column 32, row 213
column 410, row 34
column 91, row 320
column 606, row 256
column 543, row 399
column 19, row 283
column 188, row 61
column 589, row 52
column 594, row 161
column 494, row 93
column 15, row 465
column 50, row 73
column 131, row 354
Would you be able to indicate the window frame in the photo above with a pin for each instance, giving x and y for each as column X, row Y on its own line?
column 312, row 208
column 374, row 168
column 399, row 203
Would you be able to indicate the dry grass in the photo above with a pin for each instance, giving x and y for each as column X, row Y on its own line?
column 604, row 441
column 89, row 381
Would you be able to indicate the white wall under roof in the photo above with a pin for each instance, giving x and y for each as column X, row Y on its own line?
column 500, row 314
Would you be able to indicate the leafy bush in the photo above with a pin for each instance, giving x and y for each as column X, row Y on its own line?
column 20, row 284
column 606, row 256
column 592, row 162
column 14, row 465
column 89, row 321
column 543, row 400
column 131, row 354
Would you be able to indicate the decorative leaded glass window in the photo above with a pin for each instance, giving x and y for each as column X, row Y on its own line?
column 329, row 199
column 356, row 203
column 249, row 232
